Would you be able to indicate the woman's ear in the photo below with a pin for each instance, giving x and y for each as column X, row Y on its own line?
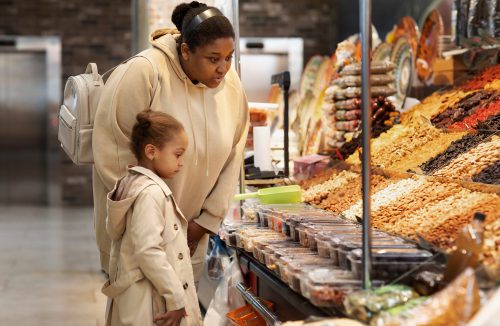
column 185, row 51
column 150, row 151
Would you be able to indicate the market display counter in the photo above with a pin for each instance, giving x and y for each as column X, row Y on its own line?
column 288, row 304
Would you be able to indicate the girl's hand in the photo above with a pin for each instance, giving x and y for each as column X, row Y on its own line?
column 194, row 233
column 170, row 318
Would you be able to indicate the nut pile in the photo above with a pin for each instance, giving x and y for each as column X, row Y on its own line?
column 317, row 193
column 473, row 161
column 341, row 199
column 384, row 197
column 453, row 151
column 490, row 174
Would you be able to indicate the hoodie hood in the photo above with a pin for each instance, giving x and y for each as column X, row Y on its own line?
column 123, row 196
column 166, row 41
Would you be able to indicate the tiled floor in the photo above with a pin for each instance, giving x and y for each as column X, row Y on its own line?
column 49, row 268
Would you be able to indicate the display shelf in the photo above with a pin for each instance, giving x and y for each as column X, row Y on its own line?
column 269, row 287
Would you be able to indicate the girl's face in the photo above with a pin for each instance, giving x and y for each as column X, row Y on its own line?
column 208, row 64
column 168, row 160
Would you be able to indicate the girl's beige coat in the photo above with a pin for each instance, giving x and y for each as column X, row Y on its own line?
column 150, row 268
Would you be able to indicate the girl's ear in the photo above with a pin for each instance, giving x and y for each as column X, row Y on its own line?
column 150, row 151
column 185, row 51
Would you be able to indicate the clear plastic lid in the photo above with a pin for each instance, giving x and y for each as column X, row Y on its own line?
column 394, row 254
column 333, row 228
column 298, row 265
column 338, row 238
column 293, row 251
column 353, row 243
column 331, row 276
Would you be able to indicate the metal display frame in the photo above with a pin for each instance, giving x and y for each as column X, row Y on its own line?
column 365, row 25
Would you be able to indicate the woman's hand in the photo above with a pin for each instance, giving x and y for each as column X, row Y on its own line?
column 194, row 233
column 170, row 318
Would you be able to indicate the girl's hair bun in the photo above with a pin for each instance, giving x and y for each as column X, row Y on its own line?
column 144, row 120
column 181, row 11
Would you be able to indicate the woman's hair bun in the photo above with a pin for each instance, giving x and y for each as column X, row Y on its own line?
column 181, row 11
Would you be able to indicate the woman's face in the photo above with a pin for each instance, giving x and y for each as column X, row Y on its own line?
column 208, row 64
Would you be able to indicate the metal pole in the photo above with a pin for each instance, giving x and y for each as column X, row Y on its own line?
column 237, row 55
column 271, row 319
column 365, row 20
column 236, row 26
column 286, row 127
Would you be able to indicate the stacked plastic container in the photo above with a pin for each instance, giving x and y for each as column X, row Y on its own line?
column 319, row 254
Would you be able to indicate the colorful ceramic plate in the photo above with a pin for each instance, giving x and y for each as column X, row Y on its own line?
column 382, row 52
column 403, row 59
column 428, row 45
column 405, row 28
column 323, row 76
column 309, row 75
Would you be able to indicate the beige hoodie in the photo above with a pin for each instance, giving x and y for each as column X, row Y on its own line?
column 215, row 120
column 150, row 264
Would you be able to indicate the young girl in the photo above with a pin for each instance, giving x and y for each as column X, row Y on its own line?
column 150, row 274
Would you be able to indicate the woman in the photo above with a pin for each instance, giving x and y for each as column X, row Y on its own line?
column 197, row 87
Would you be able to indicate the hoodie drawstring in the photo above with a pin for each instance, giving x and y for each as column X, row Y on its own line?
column 206, row 133
column 191, row 120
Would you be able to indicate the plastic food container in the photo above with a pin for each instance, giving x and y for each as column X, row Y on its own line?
column 259, row 245
column 307, row 231
column 335, row 240
column 244, row 235
column 322, row 242
column 346, row 247
column 250, row 211
column 327, row 287
column 295, row 270
column 388, row 264
column 264, row 212
column 241, row 233
column 312, row 231
column 250, row 243
column 311, row 217
column 287, row 216
column 365, row 304
column 271, row 259
column 284, row 261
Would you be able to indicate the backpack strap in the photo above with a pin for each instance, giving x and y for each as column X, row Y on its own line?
column 144, row 54
column 92, row 69
column 156, row 76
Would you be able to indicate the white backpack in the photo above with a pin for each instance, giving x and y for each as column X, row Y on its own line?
column 76, row 116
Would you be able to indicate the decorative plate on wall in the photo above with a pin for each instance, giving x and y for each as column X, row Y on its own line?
column 382, row 52
column 428, row 46
column 403, row 59
column 407, row 27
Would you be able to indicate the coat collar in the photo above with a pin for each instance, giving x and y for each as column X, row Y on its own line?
column 160, row 182
column 153, row 176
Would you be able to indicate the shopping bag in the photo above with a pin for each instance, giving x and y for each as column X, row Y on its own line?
column 226, row 297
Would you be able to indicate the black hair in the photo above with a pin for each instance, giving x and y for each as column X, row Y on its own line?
column 153, row 127
column 206, row 32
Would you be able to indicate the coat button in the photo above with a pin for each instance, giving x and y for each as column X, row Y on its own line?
column 176, row 227
column 181, row 256
column 185, row 286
